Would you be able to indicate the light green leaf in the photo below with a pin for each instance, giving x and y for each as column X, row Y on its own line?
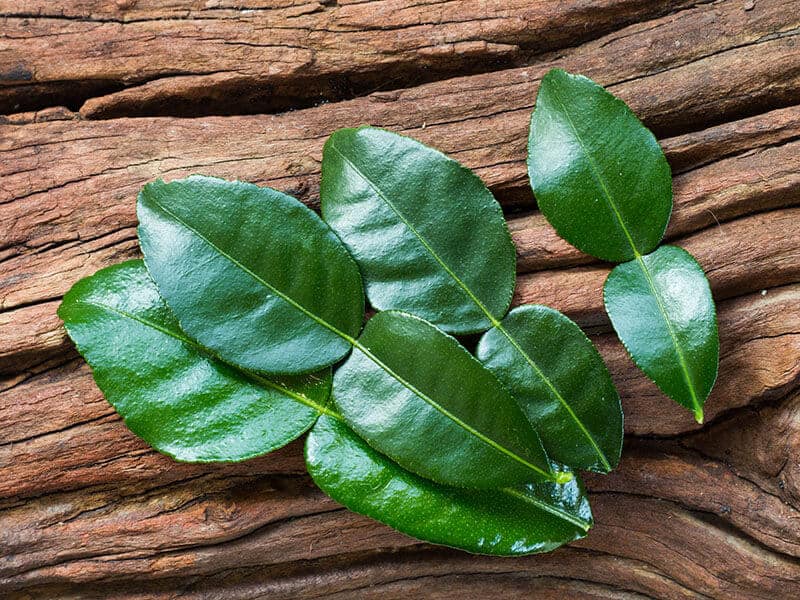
column 514, row 521
column 599, row 175
column 415, row 394
column 575, row 406
column 661, row 307
column 171, row 392
column 251, row 273
column 430, row 239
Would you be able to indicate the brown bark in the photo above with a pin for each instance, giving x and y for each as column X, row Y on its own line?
column 272, row 56
column 88, row 510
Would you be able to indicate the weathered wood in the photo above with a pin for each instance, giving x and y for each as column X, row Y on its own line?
column 764, row 177
column 737, row 255
column 88, row 159
column 92, row 159
column 174, row 530
column 197, row 56
column 82, row 441
column 88, row 510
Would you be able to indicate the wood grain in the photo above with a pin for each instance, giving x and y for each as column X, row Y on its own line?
column 196, row 57
column 96, row 96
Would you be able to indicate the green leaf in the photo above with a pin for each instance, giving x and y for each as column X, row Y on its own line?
column 522, row 520
column 415, row 394
column 171, row 392
column 661, row 308
column 562, row 384
column 599, row 175
column 430, row 239
column 251, row 273
column 392, row 200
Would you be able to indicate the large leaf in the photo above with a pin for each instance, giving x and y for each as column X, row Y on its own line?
column 251, row 273
column 415, row 394
column 661, row 307
column 522, row 520
column 429, row 237
column 562, row 384
column 599, row 175
column 170, row 391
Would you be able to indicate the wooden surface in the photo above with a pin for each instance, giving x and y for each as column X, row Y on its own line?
column 101, row 96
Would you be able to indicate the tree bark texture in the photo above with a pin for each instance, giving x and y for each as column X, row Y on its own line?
column 99, row 96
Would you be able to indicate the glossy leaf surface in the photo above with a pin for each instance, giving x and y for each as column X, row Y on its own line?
column 560, row 381
column 598, row 174
column 415, row 394
column 428, row 235
column 171, row 392
column 251, row 273
column 523, row 520
column 661, row 308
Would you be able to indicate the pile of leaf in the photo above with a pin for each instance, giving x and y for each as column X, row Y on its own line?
column 244, row 326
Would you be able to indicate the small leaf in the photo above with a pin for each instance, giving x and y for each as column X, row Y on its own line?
column 429, row 237
column 599, row 175
column 251, row 273
column 661, row 308
column 170, row 391
column 562, row 384
column 522, row 520
column 415, row 394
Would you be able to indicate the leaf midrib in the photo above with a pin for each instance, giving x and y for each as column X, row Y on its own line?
column 492, row 319
column 289, row 300
column 202, row 349
column 698, row 410
column 697, row 407
column 422, row 395
column 553, row 510
column 595, row 170
column 356, row 344
column 601, row 455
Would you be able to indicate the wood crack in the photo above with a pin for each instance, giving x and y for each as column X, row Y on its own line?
column 425, row 53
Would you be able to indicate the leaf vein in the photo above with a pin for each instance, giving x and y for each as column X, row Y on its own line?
column 560, row 398
column 698, row 409
column 194, row 345
column 596, row 174
column 492, row 319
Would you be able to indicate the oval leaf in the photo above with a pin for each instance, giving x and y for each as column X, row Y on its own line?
column 171, row 392
column 522, row 520
column 415, row 394
column 561, row 382
column 599, row 175
column 661, row 308
column 428, row 235
column 251, row 273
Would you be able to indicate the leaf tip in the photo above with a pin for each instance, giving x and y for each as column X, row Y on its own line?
column 698, row 415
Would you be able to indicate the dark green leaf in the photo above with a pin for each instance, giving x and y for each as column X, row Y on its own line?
column 562, row 384
column 599, row 175
column 522, row 520
column 429, row 237
column 171, row 392
column 407, row 220
column 251, row 273
column 661, row 307
column 415, row 394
